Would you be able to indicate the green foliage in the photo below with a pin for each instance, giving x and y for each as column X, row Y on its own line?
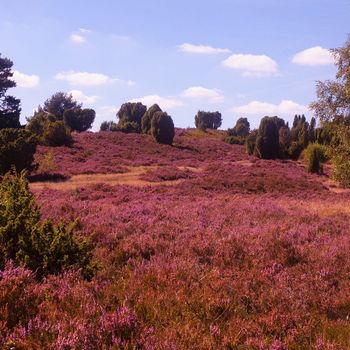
column 128, row 126
column 146, row 120
column 17, row 148
column 251, row 142
column 36, row 123
column 208, row 120
column 284, row 141
column 9, row 106
column 42, row 247
column 315, row 154
column 56, row 134
column 267, row 141
column 58, row 103
column 108, row 126
column 79, row 119
column 236, row 140
column 162, row 128
column 130, row 115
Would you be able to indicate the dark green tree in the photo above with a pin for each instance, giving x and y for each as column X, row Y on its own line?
column 78, row 119
column 251, row 142
column 162, row 128
column 10, row 109
column 147, row 118
column 207, row 120
column 130, row 115
column 17, row 149
column 108, row 126
column 267, row 141
column 58, row 103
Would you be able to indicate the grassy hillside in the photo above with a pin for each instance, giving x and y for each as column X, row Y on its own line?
column 199, row 246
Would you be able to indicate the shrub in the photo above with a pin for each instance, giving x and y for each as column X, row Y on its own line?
column 267, row 141
column 79, row 119
column 56, row 134
column 36, row 123
column 251, row 142
column 108, row 126
column 208, row 120
column 127, row 126
column 284, row 141
column 315, row 155
column 17, row 148
column 236, row 140
column 162, row 128
column 241, row 128
column 147, row 118
column 130, row 115
column 43, row 248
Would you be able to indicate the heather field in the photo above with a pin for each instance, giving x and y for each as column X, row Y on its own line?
column 204, row 248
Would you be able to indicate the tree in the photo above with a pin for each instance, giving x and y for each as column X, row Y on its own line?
column 78, row 119
column 58, row 103
column 36, row 123
column 162, row 128
column 17, row 148
column 42, row 247
column 267, row 141
column 284, row 141
column 333, row 107
column 9, row 106
column 130, row 115
column 207, row 120
column 251, row 142
column 147, row 118
column 108, row 126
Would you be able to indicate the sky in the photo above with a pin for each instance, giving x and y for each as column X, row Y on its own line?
column 244, row 58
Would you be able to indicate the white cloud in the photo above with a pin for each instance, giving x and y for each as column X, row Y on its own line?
column 89, row 79
column 85, row 31
column 313, row 56
column 24, row 80
column 251, row 65
column 163, row 102
column 81, row 97
column 286, row 107
column 202, row 49
column 77, row 38
column 84, row 78
column 199, row 92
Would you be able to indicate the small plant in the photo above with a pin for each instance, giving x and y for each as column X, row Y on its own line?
column 315, row 154
column 42, row 247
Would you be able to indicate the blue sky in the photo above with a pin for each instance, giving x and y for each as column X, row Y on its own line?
column 242, row 57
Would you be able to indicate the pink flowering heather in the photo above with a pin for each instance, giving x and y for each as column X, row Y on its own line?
column 214, row 250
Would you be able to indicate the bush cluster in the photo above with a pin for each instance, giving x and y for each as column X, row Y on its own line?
column 135, row 118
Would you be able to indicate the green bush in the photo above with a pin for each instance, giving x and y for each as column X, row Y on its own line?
column 250, row 142
column 128, row 126
column 42, row 247
column 56, row 134
column 236, row 140
column 147, row 118
column 207, row 120
column 315, row 155
column 162, row 128
column 130, row 115
column 17, row 148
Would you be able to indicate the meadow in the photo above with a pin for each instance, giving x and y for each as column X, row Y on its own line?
column 198, row 246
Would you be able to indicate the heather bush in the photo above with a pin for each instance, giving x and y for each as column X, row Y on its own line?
column 146, row 121
column 17, row 148
column 207, row 120
column 42, row 247
column 315, row 155
column 78, row 119
column 56, row 134
column 162, row 128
